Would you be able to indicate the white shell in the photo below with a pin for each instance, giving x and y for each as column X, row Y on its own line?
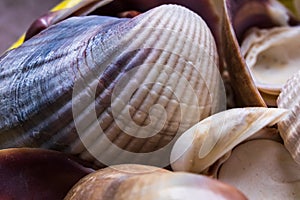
column 187, row 87
column 272, row 56
column 262, row 169
column 206, row 142
column 289, row 127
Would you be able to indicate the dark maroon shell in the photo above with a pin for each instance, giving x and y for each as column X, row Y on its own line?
column 37, row 174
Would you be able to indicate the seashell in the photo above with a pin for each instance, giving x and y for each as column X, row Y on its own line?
column 78, row 8
column 207, row 9
column 238, row 18
column 271, row 55
column 289, row 126
column 228, row 21
column 262, row 169
column 37, row 174
column 267, row 133
column 156, row 185
column 104, row 182
column 207, row 141
column 111, row 90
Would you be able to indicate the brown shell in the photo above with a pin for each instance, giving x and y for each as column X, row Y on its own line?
column 114, row 183
column 28, row 173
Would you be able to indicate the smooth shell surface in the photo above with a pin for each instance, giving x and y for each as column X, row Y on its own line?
column 289, row 127
column 104, row 183
column 28, row 173
column 262, row 169
column 111, row 87
column 207, row 141
column 238, row 17
column 272, row 57
column 155, row 186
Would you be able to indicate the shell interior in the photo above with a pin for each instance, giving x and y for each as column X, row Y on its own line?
column 207, row 141
column 272, row 56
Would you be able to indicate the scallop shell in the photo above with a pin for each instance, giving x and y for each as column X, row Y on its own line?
column 207, row 9
column 108, row 89
column 272, row 57
column 207, row 141
column 228, row 21
column 289, row 127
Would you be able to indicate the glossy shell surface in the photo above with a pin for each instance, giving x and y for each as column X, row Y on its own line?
column 207, row 141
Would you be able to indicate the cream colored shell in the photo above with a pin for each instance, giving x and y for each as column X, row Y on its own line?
column 272, row 56
column 207, row 141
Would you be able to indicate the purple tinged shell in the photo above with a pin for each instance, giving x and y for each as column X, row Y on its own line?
column 28, row 173
column 86, row 85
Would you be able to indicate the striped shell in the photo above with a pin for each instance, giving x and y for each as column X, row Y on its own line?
column 149, row 183
column 289, row 127
column 108, row 88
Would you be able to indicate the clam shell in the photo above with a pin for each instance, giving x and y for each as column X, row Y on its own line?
column 289, row 127
column 108, row 89
column 238, row 17
column 244, row 89
column 271, row 55
column 207, row 141
column 103, row 183
column 107, row 184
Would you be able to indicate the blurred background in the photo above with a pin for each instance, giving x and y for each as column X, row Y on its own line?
column 17, row 15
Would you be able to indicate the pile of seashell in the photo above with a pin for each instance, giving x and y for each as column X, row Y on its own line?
column 136, row 99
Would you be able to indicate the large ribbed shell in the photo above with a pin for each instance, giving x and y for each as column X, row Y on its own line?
column 289, row 128
column 94, row 75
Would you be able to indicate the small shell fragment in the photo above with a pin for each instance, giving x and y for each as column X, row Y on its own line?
column 207, row 141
